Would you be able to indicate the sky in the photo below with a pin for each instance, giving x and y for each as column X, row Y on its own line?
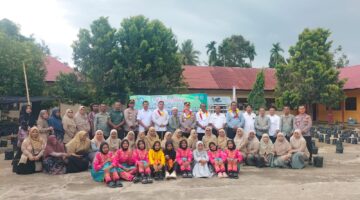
column 262, row 22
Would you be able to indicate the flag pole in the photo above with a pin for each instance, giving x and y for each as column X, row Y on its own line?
column 26, row 85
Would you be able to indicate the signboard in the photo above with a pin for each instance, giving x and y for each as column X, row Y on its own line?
column 175, row 100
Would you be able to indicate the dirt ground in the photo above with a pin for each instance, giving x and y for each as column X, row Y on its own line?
column 338, row 179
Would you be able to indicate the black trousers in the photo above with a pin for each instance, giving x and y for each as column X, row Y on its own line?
column 200, row 136
column 230, row 133
column 273, row 139
column 259, row 137
column 288, row 138
column 161, row 134
column 215, row 132
column 309, row 145
column 121, row 134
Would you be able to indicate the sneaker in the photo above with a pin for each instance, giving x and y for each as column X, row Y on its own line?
column 220, row 175
column 167, row 175
column 189, row 174
column 111, row 184
column 136, row 179
column 184, row 175
column 118, row 183
column 236, row 175
column 149, row 179
column 173, row 175
column 144, row 179
column 224, row 175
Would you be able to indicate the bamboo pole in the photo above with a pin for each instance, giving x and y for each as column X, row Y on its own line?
column 26, row 85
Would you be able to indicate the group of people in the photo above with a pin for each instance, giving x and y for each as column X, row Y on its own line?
column 142, row 145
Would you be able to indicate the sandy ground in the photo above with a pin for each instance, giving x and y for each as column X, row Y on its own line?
column 339, row 179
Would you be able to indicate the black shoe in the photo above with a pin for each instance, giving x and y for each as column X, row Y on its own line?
column 161, row 176
column 156, row 176
column 118, row 183
column 189, row 174
column 310, row 162
column 136, row 179
column 143, row 179
column 149, row 179
column 111, row 184
column 231, row 174
column 236, row 175
column 184, row 174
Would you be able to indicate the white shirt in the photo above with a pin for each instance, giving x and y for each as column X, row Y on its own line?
column 274, row 124
column 145, row 117
column 158, row 119
column 249, row 122
column 203, row 120
column 218, row 120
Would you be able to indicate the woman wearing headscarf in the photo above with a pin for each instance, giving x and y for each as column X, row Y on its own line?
column 208, row 137
column 299, row 150
column 252, row 149
column 69, row 125
column 217, row 159
column 142, row 136
column 176, row 138
column 170, row 160
column 43, row 126
column 233, row 159
column 55, row 122
column 167, row 138
column 193, row 139
column 123, row 160
column 152, row 137
column 113, row 140
column 241, row 141
column 282, row 150
column 78, row 149
column 130, row 137
column 26, row 116
column 54, row 157
column 201, row 168
column 157, row 161
column 95, row 144
column 222, row 139
column 265, row 151
column 32, row 153
column 81, row 120
column 103, row 170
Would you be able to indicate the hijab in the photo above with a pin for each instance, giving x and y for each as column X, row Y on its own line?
column 131, row 142
column 298, row 143
column 171, row 153
column 222, row 140
column 114, row 143
column 53, row 145
column 265, row 148
column 234, row 145
column 77, row 145
column 192, row 139
column 81, row 120
column 181, row 147
column 122, row 143
column 253, row 144
column 152, row 137
column 41, row 122
column 144, row 139
column 175, row 139
column 207, row 139
column 165, row 140
column 153, row 147
column 36, row 141
column 67, row 120
column 26, row 117
column 216, row 147
column 240, row 140
column 55, row 122
column 98, row 138
column 200, row 153
column 281, row 148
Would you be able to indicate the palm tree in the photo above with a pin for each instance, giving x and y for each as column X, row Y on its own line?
column 275, row 56
column 189, row 56
column 211, row 49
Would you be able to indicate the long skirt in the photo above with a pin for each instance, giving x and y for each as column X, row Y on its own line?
column 76, row 164
column 26, row 168
column 251, row 159
column 201, row 171
column 54, row 165
column 267, row 159
column 99, row 176
column 280, row 161
column 298, row 160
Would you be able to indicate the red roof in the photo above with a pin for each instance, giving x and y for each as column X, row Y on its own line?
column 54, row 67
column 224, row 78
column 352, row 74
column 203, row 77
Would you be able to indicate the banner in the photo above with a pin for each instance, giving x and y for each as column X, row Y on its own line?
column 170, row 101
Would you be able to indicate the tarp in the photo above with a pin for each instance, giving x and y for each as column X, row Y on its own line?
column 18, row 99
column 175, row 100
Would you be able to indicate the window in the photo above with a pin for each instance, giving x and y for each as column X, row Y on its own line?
column 350, row 103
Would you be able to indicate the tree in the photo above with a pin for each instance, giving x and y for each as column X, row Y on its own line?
column 256, row 97
column 189, row 56
column 69, row 88
column 16, row 49
column 341, row 59
column 211, row 51
column 310, row 76
column 275, row 57
column 235, row 51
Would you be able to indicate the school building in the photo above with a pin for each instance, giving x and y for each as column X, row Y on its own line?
column 220, row 82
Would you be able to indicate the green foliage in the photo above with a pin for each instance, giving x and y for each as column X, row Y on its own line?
column 189, row 56
column 236, row 51
column 275, row 57
column 310, row 75
column 139, row 58
column 69, row 88
column 256, row 97
column 341, row 59
column 15, row 50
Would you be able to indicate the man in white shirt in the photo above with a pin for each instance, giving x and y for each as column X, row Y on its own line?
column 217, row 120
column 274, row 124
column 249, row 117
column 144, row 117
column 160, row 118
column 202, row 121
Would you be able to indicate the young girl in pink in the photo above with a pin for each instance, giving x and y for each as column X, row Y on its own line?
column 142, row 162
column 217, row 159
column 103, row 170
column 233, row 159
column 184, row 158
column 123, row 160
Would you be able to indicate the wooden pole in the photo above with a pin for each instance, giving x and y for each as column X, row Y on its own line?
column 26, row 85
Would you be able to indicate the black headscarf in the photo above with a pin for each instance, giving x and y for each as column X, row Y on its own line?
column 180, row 144
column 153, row 147
column 101, row 147
column 212, row 143
column 171, row 153
column 121, row 144
column 231, row 141
column 138, row 144
column 26, row 118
